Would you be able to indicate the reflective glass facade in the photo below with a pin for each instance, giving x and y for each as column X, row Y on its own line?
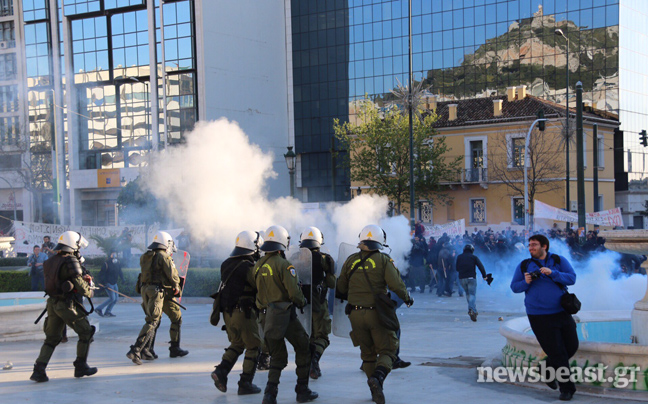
column 111, row 75
column 344, row 49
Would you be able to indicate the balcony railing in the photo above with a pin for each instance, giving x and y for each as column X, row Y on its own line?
column 467, row 176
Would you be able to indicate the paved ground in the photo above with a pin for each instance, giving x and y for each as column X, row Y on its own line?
column 434, row 331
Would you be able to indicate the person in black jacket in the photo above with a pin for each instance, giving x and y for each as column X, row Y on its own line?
column 111, row 272
column 466, row 264
column 237, row 296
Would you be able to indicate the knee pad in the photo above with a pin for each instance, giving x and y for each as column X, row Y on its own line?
column 234, row 350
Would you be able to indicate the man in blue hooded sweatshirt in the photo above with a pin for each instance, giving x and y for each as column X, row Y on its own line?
column 543, row 279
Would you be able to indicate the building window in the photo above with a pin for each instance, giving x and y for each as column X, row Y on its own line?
column 450, row 211
column 600, row 203
column 9, row 131
column 6, row 8
column 518, row 211
column 8, row 66
column 7, row 35
column 478, row 211
column 601, row 152
column 8, row 98
column 99, row 212
column 37, row 52
column 517, row 152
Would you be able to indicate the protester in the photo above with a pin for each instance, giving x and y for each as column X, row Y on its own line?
column 111, row 272
column 543, row 279
column 466, row 264
column 35, row 262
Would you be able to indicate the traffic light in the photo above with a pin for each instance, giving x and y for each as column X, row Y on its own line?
column 541, row 124
column 644, row 138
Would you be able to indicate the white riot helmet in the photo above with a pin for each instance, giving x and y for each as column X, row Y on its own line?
column 163, row 241
column 373, row 237
column 311, row 237
column 71, row 241
column 276, row 239
column 247, row 243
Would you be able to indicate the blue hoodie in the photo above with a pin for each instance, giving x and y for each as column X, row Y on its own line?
column 543, row 294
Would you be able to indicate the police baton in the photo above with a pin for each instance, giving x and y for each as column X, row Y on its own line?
column 41, row 315
column 119, row 293
column 172, row 300
column 179, row 305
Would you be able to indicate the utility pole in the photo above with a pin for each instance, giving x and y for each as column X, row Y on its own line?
column 580, row 163
column 595, row 167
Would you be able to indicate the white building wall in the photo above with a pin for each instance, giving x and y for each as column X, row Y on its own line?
column 242, row 52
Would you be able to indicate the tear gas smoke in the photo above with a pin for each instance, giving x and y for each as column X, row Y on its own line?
column 595, row 285
column 215, row 186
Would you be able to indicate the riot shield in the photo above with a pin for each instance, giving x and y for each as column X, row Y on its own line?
column 181, row 261
column 302, row 260
column 341, row 323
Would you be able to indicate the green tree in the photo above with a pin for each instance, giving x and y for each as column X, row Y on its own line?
column 137, row 205
column 377, row 142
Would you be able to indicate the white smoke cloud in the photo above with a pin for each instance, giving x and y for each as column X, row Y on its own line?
column 595, row 285
column 215, row 186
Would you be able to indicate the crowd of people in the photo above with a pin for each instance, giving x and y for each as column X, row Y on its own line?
column 432, row 261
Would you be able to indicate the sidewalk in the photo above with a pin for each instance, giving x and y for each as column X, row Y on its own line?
column 438, row 337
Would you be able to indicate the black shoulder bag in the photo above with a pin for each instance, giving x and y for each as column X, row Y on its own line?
column 214, row 317
column 568, row 301
column 385, row 307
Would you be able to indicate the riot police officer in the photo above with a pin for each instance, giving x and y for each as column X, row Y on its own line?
column 160, row 284
column 237, row 302
column 323, row 278
column 278, row 295
column 363, row 273
column 66, row 285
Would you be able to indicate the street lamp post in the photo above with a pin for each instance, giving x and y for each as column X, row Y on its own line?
column 291, row 162
column 560, row 32
column 14, row 197
column 526, row 178
column 61, row 197
column 411, row 128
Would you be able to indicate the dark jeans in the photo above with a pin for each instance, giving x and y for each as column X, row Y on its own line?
column 37, row 282
column 557, row 336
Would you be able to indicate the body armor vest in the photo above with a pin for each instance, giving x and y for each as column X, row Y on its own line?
column 58, row 270
column 151, row 267
column 237, row 288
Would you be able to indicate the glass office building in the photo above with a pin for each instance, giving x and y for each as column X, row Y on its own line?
column 102, row 77
column 346, row 49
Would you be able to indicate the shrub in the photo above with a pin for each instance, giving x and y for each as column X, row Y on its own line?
column 15, row 281
column 13, row 262
column 201, row 282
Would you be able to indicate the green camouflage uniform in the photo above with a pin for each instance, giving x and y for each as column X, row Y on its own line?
column 321, row 327
column 377, row 344
column 277, row 283
column 66, row 309
column 241, row 321
column 159, row 278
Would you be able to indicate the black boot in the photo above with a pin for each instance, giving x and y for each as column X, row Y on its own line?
column 134, row 355
column 246, row 386
column 375, row 383
column 219, row 376
column 315, row 372
column 263, row 362
column 147, row 353
column 39, row 374
column 270, row 393
column 304, row 394
column 81, row 368
column 175, row 351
